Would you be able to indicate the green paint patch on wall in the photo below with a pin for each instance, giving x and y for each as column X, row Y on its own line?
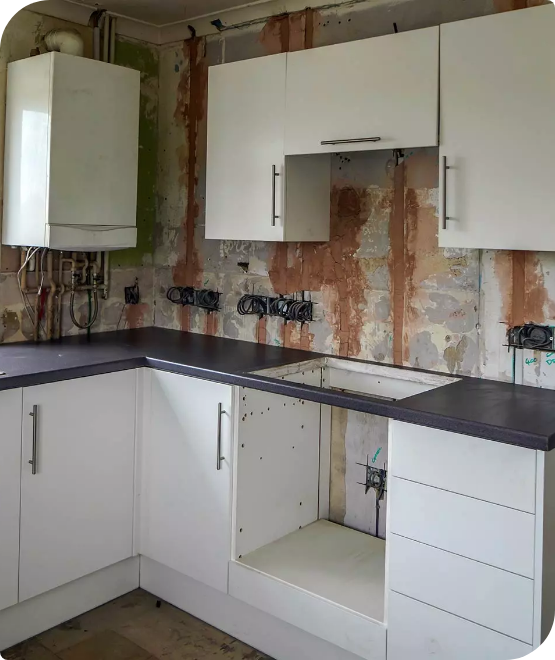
column 144, row 58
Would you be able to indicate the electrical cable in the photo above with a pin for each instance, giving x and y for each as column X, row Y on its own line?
column 249, row 304
column 207, row 298
column 31, row 252
column 531, row 336
column 184, row 295
column 300, row 311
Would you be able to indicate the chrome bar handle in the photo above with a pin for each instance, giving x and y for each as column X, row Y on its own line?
column 33, row 462
column 444, row 168
column 220, row 458
column 351, row 141
column 275, row 174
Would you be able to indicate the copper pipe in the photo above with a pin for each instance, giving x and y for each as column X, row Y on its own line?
column 24, row 254
column 51, row 295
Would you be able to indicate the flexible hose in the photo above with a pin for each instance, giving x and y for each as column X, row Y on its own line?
column 72, row 311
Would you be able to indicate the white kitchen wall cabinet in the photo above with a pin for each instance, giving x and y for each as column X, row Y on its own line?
column 77, row 479
column 379, row 93
column 72, row 132
column 10, row 482
column 186, row 476
column 253, row 192
column 497, row 135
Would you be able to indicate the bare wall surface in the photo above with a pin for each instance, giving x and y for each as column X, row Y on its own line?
column 383, row 288
column 24, row 33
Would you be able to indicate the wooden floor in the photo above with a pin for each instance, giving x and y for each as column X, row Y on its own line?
column 133, row 628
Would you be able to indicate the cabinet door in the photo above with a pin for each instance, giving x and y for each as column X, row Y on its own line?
column 246, row 112
column 77, row 510
column 497, row 131
column 10, row 477
column 186, row 489
column 350, row 94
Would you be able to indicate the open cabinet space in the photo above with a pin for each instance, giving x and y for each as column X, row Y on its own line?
column 288, row 559
column 339, row 564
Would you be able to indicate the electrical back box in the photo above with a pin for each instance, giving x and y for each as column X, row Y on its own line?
column 71, row 156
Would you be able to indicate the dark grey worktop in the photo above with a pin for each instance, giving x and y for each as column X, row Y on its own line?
column 514, row 414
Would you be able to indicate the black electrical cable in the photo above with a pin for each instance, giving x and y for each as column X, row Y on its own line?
column 207, row 298
column 300, row 311
column 181, row 295
column 280, row 307
column 531, row 336
column 250, row 304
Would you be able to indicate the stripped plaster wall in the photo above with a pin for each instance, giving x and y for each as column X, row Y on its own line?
column 383, row 288
column 25, row 32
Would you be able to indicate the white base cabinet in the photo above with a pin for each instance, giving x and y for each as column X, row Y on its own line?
column 77, row 508
column 229, row 515
column 417, row 631
column 470, row 540
column 10, row 484
column 186, row 476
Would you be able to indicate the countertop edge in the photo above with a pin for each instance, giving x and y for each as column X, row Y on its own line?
column 360, row 403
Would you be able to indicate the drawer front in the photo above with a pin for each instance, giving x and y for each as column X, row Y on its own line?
column 486, row 532
column 483, row 469
column 493, row 598
column 420, row 632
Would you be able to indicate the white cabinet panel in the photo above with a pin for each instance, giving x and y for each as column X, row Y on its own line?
column 386, row 88
column 471, row 528
column 252, row 193
column 485, row 595
column 77, row 510
column 246, row 105
column 185, row 498
column 10, row 478
column 421, row 632
column 483, row 469
column 497, row 131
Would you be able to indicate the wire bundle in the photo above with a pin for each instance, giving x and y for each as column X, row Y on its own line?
column 299, row 311
column 187, row 295
column 252, row 305
column 532, row 336
column 181, row 295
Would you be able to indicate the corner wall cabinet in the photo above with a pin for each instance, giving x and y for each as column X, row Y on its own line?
column 497, row 137
column 253, row 192
column 379, row 93
column 273, row 122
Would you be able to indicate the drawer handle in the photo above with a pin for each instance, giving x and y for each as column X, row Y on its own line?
column 351, row 141
column 220, row 458
column 34, row 462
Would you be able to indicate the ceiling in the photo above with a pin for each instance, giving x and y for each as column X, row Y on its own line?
column 164, row 12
